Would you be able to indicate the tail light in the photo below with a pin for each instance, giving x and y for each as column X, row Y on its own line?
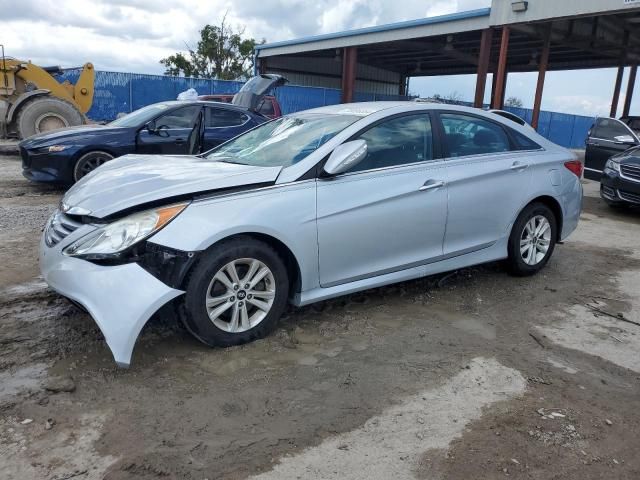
column 575, row 166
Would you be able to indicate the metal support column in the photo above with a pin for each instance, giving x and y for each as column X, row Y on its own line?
column 616, row 92
column 402, row 87
column 542, row 71
column 616, row 89
column 501, row 80
column 349, row 63
column 630, row 87
column 483, row 66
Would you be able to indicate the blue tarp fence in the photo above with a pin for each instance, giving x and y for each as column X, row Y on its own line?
column 117, row 92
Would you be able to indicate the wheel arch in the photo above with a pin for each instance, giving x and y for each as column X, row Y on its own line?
column 291, row 262
column 553, row 204
column 92, row 148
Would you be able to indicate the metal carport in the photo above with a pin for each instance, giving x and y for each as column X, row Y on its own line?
column 510, row 36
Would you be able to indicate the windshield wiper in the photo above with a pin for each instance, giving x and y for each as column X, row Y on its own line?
column 227, row 160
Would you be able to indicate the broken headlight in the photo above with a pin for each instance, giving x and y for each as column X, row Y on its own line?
column 118, row 236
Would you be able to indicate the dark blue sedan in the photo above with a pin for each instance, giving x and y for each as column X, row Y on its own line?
column 173, row 128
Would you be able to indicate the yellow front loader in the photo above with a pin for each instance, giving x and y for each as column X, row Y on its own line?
column 33, row 101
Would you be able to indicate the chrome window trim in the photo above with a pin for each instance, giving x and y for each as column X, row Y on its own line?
column 481, row 156
column 390, row 167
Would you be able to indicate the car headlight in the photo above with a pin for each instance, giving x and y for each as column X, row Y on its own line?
column 612, row 165
column 118, row 236
column 56, row 148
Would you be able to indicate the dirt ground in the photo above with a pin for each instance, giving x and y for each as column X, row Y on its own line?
column 471, row 375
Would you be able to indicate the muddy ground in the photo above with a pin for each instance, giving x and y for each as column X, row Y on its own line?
column 464, row 376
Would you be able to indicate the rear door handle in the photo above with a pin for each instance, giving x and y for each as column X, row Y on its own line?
column 431, row 185
column 517, row 166
column 180, row 141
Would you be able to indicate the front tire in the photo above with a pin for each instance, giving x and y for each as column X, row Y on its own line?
column 532, row 240
column 236, row 293
column 88, row 162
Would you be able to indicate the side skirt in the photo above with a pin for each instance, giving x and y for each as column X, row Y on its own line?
column 495, row 252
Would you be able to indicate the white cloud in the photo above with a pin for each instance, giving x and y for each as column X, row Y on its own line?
column 579, row 104
column 133, row 35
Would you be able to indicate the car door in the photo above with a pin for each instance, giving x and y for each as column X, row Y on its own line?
column 487, row 181
column 607, row 137
column 222, row 124
column 175, row 132
column 387, row 213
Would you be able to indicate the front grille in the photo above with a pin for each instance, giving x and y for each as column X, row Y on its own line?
column 629, row 197
column 631, row 171
column 59, row 226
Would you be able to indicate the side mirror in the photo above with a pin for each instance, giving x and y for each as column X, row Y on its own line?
column 346, row 156
column 151, row 126
column 625, row 140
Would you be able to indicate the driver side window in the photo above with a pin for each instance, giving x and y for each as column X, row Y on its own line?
column 399, row 141
column 184, row 117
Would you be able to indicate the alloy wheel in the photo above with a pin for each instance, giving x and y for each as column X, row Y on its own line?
column 91, row 163
column 240, row 295
column 535, row 240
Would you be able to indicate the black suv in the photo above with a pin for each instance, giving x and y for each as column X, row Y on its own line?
column 608, row 137
column 613, row 157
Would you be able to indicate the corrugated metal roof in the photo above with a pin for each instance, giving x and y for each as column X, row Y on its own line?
column 481, row 12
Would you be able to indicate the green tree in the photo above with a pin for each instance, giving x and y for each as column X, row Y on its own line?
column 513, row 102
column 221, row 53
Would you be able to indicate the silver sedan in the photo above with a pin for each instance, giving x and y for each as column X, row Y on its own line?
column 304, row 208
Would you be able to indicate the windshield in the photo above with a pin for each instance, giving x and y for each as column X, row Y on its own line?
column 284, row 141
column 140, row 117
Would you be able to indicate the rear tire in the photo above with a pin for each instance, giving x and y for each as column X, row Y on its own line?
column 88, row 162
column 239, row 320
column 532, row 240
column 46, row 113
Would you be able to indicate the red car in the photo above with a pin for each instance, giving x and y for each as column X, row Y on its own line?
column 269, row 107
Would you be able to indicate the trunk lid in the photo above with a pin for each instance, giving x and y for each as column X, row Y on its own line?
column 252, row 92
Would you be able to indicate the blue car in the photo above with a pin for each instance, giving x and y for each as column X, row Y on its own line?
column 170, row 128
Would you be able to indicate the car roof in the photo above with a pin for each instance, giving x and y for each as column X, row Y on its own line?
column 364, row 109
column 207, row 95
column 230, row 106
column 361, row 109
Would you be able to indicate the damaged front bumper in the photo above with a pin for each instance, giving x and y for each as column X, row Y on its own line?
column 120, row 298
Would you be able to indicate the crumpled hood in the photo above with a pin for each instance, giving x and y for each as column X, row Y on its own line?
column 138, row 179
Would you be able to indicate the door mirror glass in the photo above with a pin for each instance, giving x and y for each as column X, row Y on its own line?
column 626, row 139
column 346, row 156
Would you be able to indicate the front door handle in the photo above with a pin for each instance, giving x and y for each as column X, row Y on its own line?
column 431, row 185
column 518, row 166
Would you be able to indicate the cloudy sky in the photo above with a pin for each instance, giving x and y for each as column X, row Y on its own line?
column 133, row 35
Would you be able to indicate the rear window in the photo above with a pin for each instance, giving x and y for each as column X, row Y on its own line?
column 522, row 142
column 221, row 117
column 266, row 107
column 633, row 123
column 469, row 135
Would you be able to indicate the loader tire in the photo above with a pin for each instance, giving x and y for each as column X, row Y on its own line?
column 46, row 113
